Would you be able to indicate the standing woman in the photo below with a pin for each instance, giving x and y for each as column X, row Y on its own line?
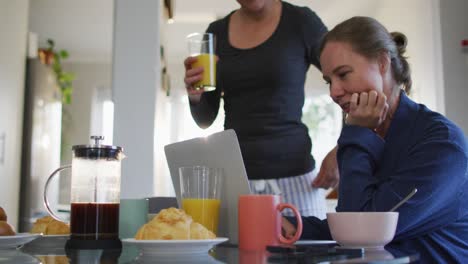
column 391, row 145
column 265, row 49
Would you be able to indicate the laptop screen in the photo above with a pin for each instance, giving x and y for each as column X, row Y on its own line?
column 219, row 150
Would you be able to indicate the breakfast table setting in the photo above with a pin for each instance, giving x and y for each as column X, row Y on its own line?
column 103, row 228
column 172, row 236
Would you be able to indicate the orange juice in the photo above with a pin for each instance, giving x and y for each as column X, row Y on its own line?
column 203, row 211
column 208, row 62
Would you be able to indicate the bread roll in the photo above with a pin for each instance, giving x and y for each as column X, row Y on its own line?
column 169, row 224
column 3, row 216
column 6, row 229
column 57, row 228
column 173, row 224
column 49, row 226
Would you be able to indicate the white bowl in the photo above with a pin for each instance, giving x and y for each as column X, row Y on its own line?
column 363, row 229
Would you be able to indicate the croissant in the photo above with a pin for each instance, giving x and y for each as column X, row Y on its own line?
column 198, row 231
column 173, row 224
column 49, row 226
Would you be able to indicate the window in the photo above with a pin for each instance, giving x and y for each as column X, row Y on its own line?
column 323, row 118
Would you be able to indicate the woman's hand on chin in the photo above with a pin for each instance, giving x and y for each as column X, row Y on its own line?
column 367, row 109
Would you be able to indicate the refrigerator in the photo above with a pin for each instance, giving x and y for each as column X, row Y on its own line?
column 41, row 142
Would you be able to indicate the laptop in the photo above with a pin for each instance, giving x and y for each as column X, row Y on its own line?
column 219, row 150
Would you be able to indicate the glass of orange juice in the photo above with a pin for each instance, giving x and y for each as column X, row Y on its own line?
column 200, row 189
column 202, row 46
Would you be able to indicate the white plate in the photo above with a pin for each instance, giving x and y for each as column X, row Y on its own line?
column 204, row 258
column 56, row 236
column 173, row 247
column 17, row 240
column 49, row 241
column 315, row 242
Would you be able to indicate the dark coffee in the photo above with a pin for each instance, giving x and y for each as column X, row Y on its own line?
column 94, row 221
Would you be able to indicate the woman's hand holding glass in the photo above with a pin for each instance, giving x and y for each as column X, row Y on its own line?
column 192, row 75
column 367, row 109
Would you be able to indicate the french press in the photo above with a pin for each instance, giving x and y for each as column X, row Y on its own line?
column 95, row 195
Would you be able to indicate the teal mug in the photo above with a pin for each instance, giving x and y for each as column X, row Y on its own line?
column 133, row 214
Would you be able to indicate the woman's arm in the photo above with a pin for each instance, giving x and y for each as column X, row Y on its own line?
column 328, row 175
column 205, row 111
column 204, row 106
column 313, row 228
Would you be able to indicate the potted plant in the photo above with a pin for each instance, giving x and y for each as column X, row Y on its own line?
column 53, row 58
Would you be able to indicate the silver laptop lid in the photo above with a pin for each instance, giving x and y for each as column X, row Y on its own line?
column 219, row 150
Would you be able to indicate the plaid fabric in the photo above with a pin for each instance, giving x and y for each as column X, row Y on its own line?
column 297, row 191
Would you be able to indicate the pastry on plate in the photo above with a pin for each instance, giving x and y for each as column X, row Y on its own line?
column 198, row 231
column 6, row 229
column 49, row 226
column 3, row 216
column 173, row 224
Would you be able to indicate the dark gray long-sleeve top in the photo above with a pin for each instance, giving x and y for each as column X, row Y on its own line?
column 263, row 92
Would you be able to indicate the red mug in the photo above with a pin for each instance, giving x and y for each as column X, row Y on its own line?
column 260, row 222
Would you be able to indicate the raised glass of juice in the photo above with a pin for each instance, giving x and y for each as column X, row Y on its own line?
column 202, row 46
column 200, row 189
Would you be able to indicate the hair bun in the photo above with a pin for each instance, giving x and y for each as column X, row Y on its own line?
column 400, row 40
